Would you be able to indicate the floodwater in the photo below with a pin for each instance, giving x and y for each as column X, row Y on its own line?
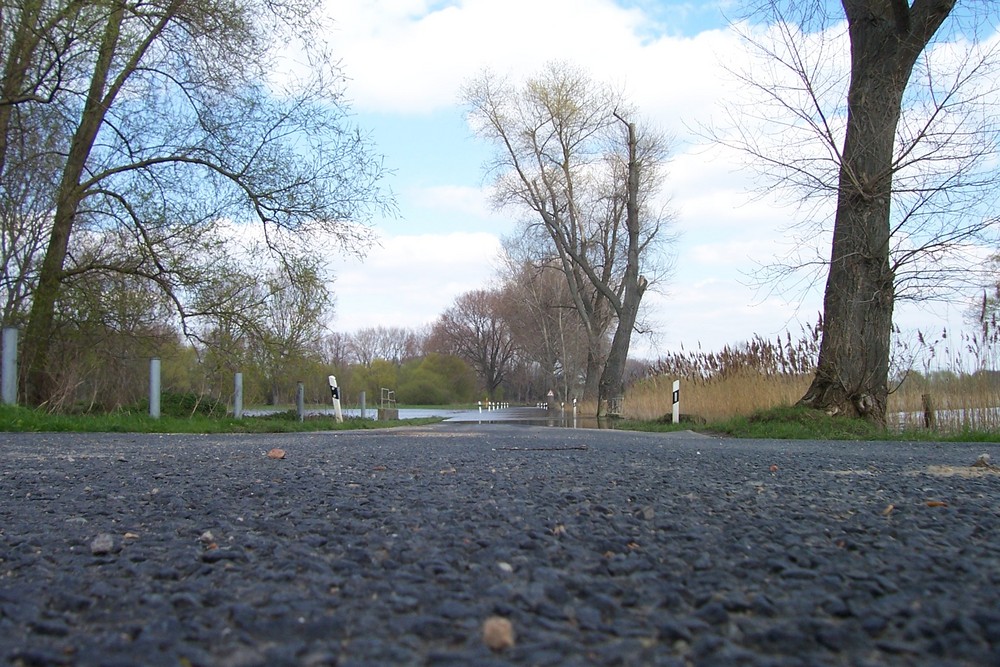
column 531, row 417
column 527, row 416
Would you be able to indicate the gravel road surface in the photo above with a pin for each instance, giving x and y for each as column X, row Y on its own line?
column 568, row 547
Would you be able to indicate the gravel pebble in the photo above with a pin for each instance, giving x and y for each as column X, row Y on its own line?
column 398, row 546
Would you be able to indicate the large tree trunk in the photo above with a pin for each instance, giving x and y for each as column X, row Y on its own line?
column 612, row 383
column 887, row 36
column 593, row 374
column 39, row 332
column 633, row 285
column 18, row 59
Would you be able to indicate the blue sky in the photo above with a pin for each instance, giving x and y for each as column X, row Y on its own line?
column 406, row 60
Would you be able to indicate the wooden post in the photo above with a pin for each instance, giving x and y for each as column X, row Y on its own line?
column 300, row 400
column 930, row 417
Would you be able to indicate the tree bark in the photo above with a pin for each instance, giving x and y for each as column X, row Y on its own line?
column 39, row 332
column 852, row 373
column 633, row 285
column 18, row 60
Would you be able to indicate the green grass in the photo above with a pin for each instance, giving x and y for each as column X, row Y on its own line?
column 789, row 423
column 20, row 419
column 800, row 423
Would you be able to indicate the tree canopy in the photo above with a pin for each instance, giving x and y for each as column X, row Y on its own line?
column 572, row 159
column 163, row 140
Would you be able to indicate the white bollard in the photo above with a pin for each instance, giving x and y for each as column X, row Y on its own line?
column 676, row 414
column 335, row 393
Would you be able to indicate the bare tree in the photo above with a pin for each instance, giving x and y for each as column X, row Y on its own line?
column 395, row 344
column 291, row 323
column 901, row 136
column 335, row 345
column 569, row 154
column 543, row 319
column 474, row 329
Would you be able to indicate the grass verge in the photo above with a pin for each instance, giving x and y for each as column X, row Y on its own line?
column 20, row 419
column 800, row 423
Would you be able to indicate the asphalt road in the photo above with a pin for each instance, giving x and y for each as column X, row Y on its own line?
column 571, row 547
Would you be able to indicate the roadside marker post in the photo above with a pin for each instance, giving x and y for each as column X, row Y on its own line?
column 335, row 393
column 676, row 414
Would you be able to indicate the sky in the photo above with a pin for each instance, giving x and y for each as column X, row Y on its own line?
column 407, row 59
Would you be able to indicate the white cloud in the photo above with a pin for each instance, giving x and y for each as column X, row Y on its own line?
column 409, row 280
column 409, row 57
column 715, row 312
column 456, row 199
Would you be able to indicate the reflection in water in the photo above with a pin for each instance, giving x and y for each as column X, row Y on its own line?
column 579, row 422
column 567, row 418
column 532, row 417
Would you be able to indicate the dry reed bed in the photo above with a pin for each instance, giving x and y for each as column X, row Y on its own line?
column 764, row 374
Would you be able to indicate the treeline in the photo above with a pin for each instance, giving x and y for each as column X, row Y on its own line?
column 167, row 190
column 516, row 342
column 162, row 176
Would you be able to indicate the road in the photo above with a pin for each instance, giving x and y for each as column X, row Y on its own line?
column 398, row 546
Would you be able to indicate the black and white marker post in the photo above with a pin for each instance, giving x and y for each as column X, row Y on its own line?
column 676, row 414
column 335, row 392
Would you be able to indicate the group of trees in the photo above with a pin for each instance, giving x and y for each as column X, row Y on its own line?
column 903, row 139
column 524, row 338
column 156, row 179
column 159, row 173
column 584, row 175
column 158, row 186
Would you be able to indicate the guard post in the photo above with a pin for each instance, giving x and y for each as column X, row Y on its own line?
column 675, row 416
column 335, row 393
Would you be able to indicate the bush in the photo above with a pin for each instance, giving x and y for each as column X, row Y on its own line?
column 184, row 405
column 436, row 380
column 423, row 388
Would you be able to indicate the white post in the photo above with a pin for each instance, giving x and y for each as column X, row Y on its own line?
column 362, row 399
column 335, row 392
column 238, row 396
column 676, row 415
column 8, row 393
column 154, row 388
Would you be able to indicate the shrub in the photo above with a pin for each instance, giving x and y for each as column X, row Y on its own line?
column 183, row 405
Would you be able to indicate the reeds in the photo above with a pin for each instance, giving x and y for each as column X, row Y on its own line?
column 956, row 373
column 738, row 380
